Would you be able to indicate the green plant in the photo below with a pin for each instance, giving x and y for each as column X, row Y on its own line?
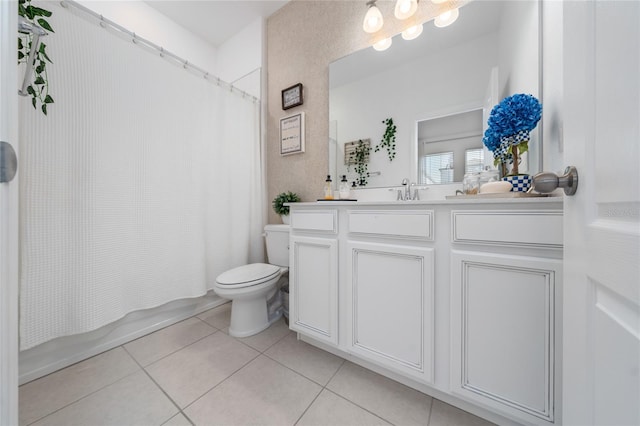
column 388, row 139
column 284, row 197
column 360, row 157
column 39, row 88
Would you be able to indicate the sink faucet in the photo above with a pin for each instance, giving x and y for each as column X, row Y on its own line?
column 408, row 186
column 407, row 189
column 405, row 194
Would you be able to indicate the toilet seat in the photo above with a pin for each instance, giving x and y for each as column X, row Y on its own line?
column 248, row 275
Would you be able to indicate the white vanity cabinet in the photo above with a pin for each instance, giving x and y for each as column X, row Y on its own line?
column 505, row 273
column 458, row 299
column 313, row 262
column 389, row 289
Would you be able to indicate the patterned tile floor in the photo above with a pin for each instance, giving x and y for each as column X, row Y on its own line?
column 194, row 373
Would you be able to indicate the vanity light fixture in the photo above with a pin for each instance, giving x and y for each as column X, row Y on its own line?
column 412, row 32
column 405, row 8
column 439, row 1
column 373, row 19
column 383, row 44
column 447, row 18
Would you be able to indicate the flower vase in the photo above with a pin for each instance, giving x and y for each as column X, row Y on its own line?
column 285, row 218
column 520, row 183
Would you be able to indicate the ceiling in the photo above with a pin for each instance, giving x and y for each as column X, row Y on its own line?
column 216, row 21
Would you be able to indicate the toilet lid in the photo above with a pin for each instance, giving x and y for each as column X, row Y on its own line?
column 254, row 273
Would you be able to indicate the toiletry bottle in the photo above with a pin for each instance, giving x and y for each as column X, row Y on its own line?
column 328, row 191
column 344, row 188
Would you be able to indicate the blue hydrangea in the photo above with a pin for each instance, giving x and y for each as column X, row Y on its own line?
column 514, row 115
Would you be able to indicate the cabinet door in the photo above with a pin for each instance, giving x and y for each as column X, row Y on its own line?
column 314, row 287
column 390, row 291
column 502, row 332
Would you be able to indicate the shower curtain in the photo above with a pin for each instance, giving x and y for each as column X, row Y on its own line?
column 141, row 185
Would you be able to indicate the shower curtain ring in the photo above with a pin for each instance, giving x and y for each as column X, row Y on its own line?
column 186, row 64
column 162, row 52
column 134, row 39
column 102, row 23
column 206, row 76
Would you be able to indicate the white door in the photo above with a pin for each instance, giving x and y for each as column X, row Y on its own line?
column 8, row 219
column 601, row 341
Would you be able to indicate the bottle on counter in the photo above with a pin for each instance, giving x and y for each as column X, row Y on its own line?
column 344, row 188
column 328, row 190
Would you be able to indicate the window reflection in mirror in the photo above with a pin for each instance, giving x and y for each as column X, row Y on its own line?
column 445, row 147
column 443, row 72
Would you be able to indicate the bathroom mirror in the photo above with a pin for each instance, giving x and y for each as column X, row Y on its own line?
column 490, row 52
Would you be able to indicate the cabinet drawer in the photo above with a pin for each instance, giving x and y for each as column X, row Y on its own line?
column 515, row 228
column 325, row 221
column 407, row 224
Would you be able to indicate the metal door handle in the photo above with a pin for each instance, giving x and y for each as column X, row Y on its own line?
column 548, row 181
column 8, row 162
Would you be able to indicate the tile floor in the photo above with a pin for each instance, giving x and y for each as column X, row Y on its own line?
column 193, row 373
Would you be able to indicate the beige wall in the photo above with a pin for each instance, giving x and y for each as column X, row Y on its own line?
column 303, row 38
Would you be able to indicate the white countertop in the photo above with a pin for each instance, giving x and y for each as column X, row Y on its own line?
column 452, row 201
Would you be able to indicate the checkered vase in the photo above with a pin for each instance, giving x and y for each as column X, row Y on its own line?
column 520, row 183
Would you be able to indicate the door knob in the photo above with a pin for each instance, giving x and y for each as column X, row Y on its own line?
column 8, row 162
column 548, row 181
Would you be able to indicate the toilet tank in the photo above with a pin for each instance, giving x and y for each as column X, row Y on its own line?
column 277, row 237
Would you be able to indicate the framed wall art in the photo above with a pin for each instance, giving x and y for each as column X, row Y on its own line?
column 292, row 96
column 292, row 134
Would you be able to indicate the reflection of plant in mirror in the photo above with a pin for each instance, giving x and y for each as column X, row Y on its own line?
column 39, row 89
column 360, row 157
column 388, row 139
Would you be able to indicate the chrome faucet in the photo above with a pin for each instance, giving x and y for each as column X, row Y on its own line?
column 410, row 192
column 407, row 189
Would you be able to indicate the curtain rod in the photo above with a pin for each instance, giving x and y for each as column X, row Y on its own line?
column 136, row 39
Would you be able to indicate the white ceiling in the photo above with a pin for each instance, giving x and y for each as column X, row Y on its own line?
column 216, row 20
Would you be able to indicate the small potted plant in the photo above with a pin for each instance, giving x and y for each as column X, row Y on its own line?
column 507, row 136
column 280, row 208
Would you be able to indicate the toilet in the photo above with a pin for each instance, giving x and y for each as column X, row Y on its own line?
column 254, row 289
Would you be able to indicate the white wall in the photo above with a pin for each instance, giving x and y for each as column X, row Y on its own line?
column 152, row 25
column 240, row 58
column 520, row 64
column 459, row 81
column 519, row 61
column 552, row 88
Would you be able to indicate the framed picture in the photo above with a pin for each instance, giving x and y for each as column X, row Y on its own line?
column 292, row 96
column 292, row 134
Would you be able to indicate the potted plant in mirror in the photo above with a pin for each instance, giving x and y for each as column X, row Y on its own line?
column 508, row 133
column 360, row 157
column 280, row 208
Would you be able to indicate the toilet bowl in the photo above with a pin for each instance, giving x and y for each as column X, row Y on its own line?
column 250, row 287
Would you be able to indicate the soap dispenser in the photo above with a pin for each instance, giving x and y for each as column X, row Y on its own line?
column 344, row 188
column 328, row 191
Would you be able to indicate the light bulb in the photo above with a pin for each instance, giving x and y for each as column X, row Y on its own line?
column 412, row 32
column 383, row 44
column 447, row 18
column 405, row 8
column 373, row 19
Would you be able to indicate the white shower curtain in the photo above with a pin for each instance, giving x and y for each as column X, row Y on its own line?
column 141, row 185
